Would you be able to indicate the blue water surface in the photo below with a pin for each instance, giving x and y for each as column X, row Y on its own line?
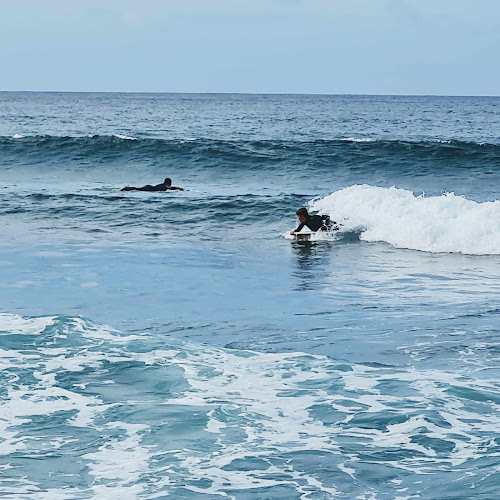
column 178, row 344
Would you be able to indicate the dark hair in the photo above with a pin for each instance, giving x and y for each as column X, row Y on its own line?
column 168, row 181
column 302, row 212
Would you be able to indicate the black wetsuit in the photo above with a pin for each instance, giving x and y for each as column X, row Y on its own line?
column 158, row 187
column 316, row 222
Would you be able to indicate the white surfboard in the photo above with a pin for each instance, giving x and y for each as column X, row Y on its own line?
column 304, row 235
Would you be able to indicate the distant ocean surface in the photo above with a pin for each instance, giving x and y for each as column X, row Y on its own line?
column 179, row 344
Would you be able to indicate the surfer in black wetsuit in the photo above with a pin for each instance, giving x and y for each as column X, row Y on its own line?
column 166, row 185
column 313, row 222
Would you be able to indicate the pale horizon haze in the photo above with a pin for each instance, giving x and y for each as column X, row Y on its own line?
column 276, row 46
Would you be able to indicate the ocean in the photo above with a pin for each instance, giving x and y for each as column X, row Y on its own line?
column 180, row 344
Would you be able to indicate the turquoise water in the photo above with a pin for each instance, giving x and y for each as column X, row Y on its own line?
column 178, row 344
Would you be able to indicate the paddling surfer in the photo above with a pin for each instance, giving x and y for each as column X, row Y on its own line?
column 166, row 185
column 313, row 222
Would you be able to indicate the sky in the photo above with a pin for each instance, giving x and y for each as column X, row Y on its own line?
column 443, row 47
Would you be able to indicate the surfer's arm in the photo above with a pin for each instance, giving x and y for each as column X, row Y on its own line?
column 299, row 228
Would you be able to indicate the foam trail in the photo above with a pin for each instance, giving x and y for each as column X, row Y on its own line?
column 446, row 223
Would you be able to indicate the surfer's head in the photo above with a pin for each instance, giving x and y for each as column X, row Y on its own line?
column 302, row 214
column 167, row 182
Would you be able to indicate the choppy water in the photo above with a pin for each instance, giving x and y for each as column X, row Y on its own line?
column 156, row 344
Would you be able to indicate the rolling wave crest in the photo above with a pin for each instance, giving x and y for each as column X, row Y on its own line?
column 446, row 223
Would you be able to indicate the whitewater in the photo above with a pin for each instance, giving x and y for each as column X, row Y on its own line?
column 183, row 345
column 446, row 223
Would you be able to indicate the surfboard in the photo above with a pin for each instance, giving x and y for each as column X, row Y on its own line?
column 302, row 235
column 305, row 235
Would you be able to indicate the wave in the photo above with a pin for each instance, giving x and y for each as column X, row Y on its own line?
column 149, row 416
column 354, row 155
column 446, row 223
column 353, row 139
column 365, row 142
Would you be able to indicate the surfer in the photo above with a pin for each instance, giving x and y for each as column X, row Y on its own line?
column 313, row 222
column 166, row 185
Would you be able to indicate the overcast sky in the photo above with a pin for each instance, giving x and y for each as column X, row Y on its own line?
column 447, row 47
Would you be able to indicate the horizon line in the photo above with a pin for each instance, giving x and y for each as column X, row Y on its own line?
column 239, row 93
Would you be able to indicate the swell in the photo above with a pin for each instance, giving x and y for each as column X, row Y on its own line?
column 160, row 214
column 101, row 150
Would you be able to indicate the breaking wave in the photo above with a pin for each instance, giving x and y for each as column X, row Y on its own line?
column 142, row 416
column 446, row 223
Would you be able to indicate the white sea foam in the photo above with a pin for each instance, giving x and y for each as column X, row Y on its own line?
column 446, row 223
column 18, row 136
column 125, row 137
column 358, row 139
column 121, row 459
column 276, row 411
column 265, row 411
column 17, row 325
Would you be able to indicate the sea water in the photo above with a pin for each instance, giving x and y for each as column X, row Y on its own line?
column 179, row 344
